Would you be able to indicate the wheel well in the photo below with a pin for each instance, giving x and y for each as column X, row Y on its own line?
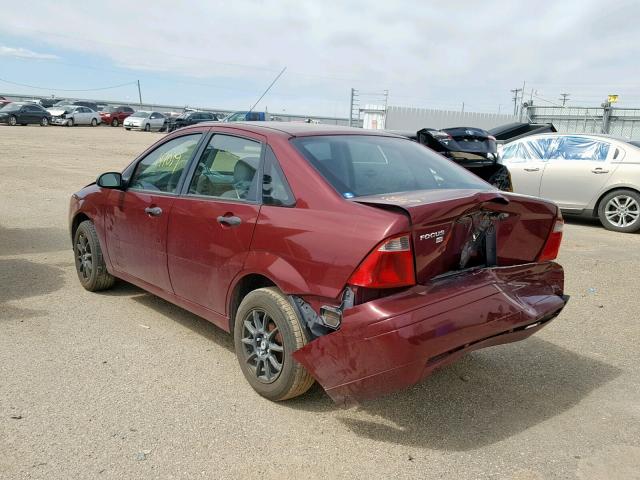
column 597, row 205
column 77, row 220
column 242, row 289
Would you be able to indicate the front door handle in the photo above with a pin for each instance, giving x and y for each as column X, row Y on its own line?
column 533, row 169
column 230, row 221
column 153, row 211
column 599, row 170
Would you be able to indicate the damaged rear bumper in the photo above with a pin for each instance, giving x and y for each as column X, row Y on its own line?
column 394, row 342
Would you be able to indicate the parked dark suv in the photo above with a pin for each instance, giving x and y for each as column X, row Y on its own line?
column 191, row 118
column 114, row 116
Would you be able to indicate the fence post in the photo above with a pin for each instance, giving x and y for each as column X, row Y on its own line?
column 606, row 117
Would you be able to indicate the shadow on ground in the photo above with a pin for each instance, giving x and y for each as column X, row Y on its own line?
column 18, row 241
column 487, row 397
column 21, row 279
column 508, row 390
column 187, row 319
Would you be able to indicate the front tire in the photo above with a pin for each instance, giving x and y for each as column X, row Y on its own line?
column 70, row 122
column 94, row 122
column 267, row 331
column 114, row 122
column 147, row 127
column 90, row 265
column 44, row 121
column 13, row 121
column 620, row 211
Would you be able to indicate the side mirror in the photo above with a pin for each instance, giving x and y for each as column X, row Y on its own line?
column 110, row 180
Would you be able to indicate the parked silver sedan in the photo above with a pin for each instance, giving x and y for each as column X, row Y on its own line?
column 70, row 115
column 143, row 120
column 588, row 175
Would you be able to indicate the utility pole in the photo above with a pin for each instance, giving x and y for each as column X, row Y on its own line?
column 516, row 95
column 565, row 97
column 462, row 107
column 139, row 94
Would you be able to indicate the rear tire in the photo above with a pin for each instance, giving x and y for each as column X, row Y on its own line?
column 94, row 122
column 90, row 265
column 502, row 179
column 267, row 331
column 126, row 128
column 619, row 211
column 13, row 121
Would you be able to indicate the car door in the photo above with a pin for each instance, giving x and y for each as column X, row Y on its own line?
column 156, row 120
column 136, row 219
column 577, row 169
column 211, row 225
column 31, row 114
column 525, row 162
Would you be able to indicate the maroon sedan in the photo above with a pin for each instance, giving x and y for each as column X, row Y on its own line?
column 361, row 260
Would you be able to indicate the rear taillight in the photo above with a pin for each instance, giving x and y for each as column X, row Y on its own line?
column 552, row 245
column 389, row 265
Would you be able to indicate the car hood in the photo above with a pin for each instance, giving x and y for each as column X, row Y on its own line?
column 57, row 111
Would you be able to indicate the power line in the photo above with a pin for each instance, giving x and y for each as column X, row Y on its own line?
column 67, row 89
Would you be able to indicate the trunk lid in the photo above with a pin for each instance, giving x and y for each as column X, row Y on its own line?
column 452, row 230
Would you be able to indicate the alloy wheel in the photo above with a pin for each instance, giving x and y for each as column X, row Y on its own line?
column 262, row 346
column 13, row 121
column 84, row 257
column 44, row 122
column 622, row 211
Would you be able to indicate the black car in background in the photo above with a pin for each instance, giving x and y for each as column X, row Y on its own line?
column 80, row 103
column 191, row 118
column 24, row 113
column 472, row 148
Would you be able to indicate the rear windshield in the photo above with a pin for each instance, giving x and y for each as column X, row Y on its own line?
column 359, row 165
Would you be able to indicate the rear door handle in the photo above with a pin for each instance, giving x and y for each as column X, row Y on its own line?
column 153, row 211
column 599, row 170
column 532, row 169
column 230, row 221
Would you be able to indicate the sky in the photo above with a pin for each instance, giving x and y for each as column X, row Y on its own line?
column 224, row 54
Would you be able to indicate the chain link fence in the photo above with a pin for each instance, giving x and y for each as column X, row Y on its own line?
column 619, row 122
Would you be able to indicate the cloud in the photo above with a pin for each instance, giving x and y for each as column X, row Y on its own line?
column 24, row 53
column 434, row 54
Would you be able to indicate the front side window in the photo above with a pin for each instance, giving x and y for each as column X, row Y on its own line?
column 228, row 168
column 359, row 165
column 160, row 170
column 516, row 153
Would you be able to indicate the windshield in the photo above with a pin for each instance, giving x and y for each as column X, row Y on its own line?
column 11, row 107
column 236, row 117
column 359, row 165
column 140, row 114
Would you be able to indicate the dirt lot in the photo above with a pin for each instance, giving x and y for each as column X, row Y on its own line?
column 123, row 385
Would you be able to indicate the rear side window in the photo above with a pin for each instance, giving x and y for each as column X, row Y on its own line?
column 228, row 168
column 161, row 169
column 359, row 165
column 275, row 189
column 577, row 148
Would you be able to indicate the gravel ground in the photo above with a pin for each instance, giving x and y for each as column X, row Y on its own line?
column 123, row 385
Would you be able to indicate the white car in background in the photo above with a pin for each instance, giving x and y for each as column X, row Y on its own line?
column 70, row 115
column 587, row 175
column 144, row 120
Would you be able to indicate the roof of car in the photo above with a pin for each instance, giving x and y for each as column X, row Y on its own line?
column 297, row 129
column 594, row 135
